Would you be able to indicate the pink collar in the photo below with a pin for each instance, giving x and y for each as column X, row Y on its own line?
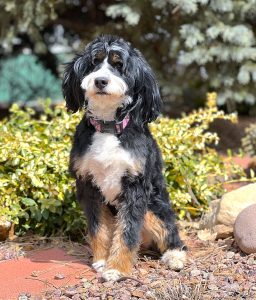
column 109, row 126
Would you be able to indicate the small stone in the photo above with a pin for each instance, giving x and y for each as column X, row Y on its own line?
column 195, row 272
column 251, row 261
column 149, row 295
column 230, row 254
column 223, row 231
column 222, row 266
column 70, row 292
column 143, row 272
column 59, row 276
column 155, row 283
column 212, row 268
column 211, row 277
column 107, row 284
column 234, row 287
column 57, row 293
column 87, row 284
column 212, row 287
column 35, row 274
column 64, row 298
column 125, row 297
column 137, row 293
column 22, row 297
column 205, row 275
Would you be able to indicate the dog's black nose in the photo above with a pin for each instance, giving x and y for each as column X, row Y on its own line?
column 101, row 82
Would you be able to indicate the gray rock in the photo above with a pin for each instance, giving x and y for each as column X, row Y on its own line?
column 245, row 229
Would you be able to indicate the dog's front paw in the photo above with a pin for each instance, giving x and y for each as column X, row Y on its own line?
column 174, row 259
column 111, row 275
column 99, row 265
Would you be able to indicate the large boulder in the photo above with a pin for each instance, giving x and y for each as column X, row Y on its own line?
column 245, row 229
column 234, row 202
column 223, row 212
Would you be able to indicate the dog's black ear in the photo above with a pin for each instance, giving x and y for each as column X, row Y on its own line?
column 146, row 91
column 72, row 77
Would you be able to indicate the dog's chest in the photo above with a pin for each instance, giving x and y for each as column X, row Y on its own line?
column 107, row 161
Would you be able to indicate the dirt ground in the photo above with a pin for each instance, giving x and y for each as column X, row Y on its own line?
column 214, row 270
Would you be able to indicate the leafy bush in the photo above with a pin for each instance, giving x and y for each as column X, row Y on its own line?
column 24, row 78
column 37, row 192
column 195, row 173
column 35, row 188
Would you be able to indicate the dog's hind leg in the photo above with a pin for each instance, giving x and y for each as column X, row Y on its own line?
column 164, row 233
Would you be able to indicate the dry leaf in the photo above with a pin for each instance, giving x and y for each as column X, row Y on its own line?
column 206, row 235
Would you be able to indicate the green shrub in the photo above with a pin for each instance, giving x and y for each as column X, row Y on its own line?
column 194, row 171
column 24, row 78
column 35, row 188
column 37, row 192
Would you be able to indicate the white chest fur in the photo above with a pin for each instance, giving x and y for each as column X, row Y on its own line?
column 107, row 161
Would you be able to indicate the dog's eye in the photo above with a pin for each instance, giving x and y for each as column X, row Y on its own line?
column 98, row 57
column 95, row 61
column 118, row 64
column 116, row 61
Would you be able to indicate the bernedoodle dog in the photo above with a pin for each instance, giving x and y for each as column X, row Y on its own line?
column 116, row 161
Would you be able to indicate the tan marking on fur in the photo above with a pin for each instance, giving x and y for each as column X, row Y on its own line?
column 146, row 239
column 101, row 242
column 121, row 258
column 154, row 230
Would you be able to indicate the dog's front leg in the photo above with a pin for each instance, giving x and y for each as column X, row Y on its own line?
column 99, row 221
column 126, row 239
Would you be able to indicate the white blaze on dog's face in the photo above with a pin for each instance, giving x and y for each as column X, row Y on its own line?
column 105, row 91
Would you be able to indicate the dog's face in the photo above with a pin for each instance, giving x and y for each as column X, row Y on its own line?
column 112, row 79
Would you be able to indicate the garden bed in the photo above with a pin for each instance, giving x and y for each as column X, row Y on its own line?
column 214, row 270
